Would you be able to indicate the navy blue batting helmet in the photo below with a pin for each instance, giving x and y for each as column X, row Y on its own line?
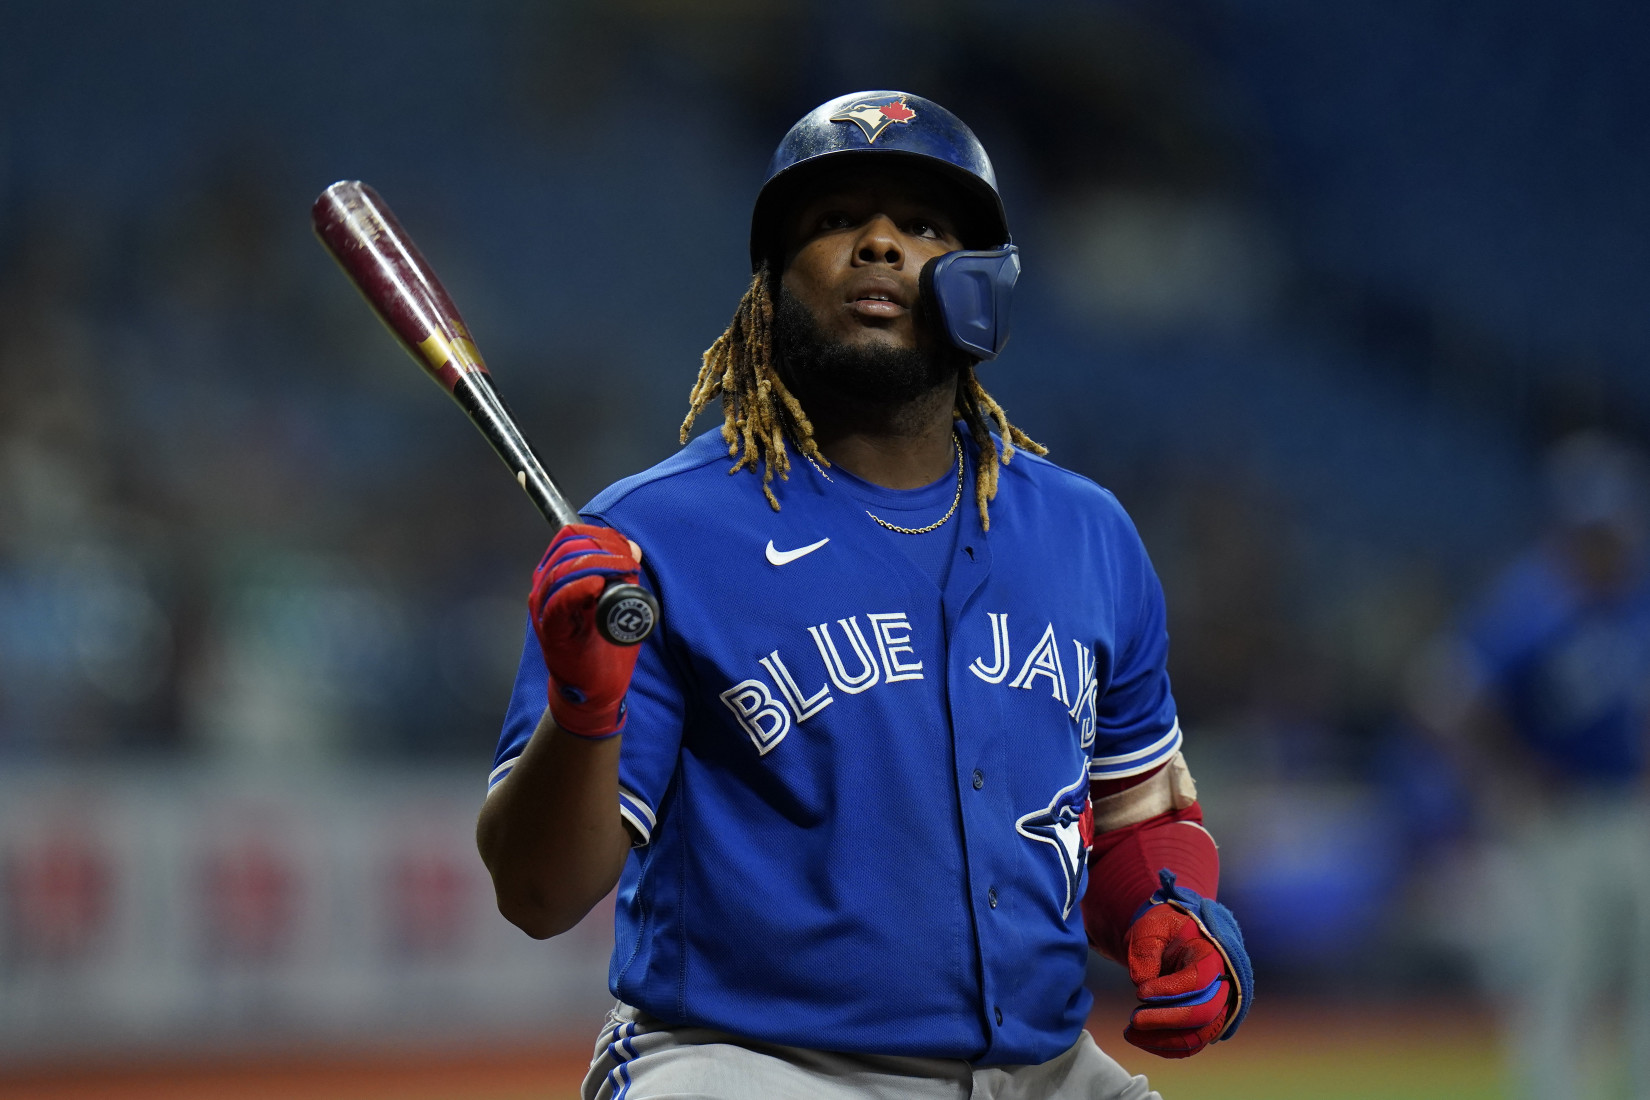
column 970, row 290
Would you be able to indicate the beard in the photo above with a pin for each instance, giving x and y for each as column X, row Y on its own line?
column 811, row 364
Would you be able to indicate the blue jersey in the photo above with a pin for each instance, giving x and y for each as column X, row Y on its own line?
column 858, row 799
column 1571, row 673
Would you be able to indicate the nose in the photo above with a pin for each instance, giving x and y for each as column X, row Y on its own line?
column 879, row 243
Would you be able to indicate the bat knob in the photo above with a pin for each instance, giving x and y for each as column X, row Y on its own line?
column 626, row 613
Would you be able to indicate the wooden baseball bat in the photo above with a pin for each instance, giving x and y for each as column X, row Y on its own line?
column 378, row 256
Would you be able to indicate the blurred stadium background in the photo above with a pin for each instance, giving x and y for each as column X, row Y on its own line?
column 1312, row 286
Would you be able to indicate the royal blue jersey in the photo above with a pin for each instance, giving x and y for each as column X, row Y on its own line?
column 1571, row 672
column 856, row 796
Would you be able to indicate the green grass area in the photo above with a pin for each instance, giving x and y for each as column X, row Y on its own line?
column 1293, row 1050
column 1398, row 1072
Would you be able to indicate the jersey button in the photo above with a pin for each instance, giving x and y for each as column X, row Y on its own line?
column 979, row 779
column 991, row 897
column 998, row 1010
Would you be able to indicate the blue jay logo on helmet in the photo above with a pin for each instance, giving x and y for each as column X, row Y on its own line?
column 875, row 115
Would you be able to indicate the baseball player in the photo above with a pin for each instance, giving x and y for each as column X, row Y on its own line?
column 904, row 745
column 1556, row 698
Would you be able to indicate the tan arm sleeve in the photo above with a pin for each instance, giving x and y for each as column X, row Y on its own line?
column 1169, row 788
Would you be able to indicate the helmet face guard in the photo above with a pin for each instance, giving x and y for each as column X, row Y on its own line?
column 970, row 291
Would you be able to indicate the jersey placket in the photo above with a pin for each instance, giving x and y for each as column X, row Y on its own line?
column 983, row 805
column 977, row 764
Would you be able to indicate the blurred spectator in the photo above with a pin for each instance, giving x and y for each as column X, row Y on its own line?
column 1547, row 694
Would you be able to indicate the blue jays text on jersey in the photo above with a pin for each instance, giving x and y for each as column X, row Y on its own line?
column 859, row 799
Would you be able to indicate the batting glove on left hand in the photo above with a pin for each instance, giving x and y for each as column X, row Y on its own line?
column 589, row 675
column 1190, row 970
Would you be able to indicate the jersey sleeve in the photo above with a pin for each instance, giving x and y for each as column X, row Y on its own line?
column 1135, row 724
column 652, row 731
column 652, row 736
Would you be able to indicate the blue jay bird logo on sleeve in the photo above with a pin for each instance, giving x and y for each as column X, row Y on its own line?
column 875, row 115
column 1067, row 826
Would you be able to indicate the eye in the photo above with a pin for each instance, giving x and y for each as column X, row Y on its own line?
column 921, row 227
column 835, row 219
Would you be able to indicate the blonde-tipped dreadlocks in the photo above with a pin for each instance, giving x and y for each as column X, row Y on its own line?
column 759, row 413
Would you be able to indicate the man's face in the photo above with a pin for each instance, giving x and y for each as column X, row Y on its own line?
column 854, row 249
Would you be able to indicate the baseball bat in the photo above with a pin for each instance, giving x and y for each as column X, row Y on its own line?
column 378, row 256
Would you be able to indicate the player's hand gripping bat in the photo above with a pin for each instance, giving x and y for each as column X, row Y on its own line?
column 386, row 267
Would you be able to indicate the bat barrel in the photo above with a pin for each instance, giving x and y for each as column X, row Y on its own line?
column 380, row 259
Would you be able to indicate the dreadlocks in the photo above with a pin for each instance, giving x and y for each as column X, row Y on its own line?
column 759, row 413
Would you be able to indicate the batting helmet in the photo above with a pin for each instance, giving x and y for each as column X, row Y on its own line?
column 969, row 290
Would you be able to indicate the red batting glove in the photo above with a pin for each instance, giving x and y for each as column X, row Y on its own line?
column 1180, row 975
column 589, row 675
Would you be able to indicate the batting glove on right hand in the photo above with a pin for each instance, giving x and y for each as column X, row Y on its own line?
column 1190, row 970
column 589, row 675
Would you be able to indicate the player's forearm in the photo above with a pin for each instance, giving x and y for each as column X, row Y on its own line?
column 1124, row 866
column 550, row 833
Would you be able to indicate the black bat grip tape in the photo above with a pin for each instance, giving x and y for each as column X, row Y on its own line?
column 626, row 614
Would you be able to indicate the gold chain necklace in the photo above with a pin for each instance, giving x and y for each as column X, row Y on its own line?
column 956, row 500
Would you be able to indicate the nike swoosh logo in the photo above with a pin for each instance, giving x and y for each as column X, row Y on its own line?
column 783, row 557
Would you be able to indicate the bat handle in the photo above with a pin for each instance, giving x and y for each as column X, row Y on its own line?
column 626, row 613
